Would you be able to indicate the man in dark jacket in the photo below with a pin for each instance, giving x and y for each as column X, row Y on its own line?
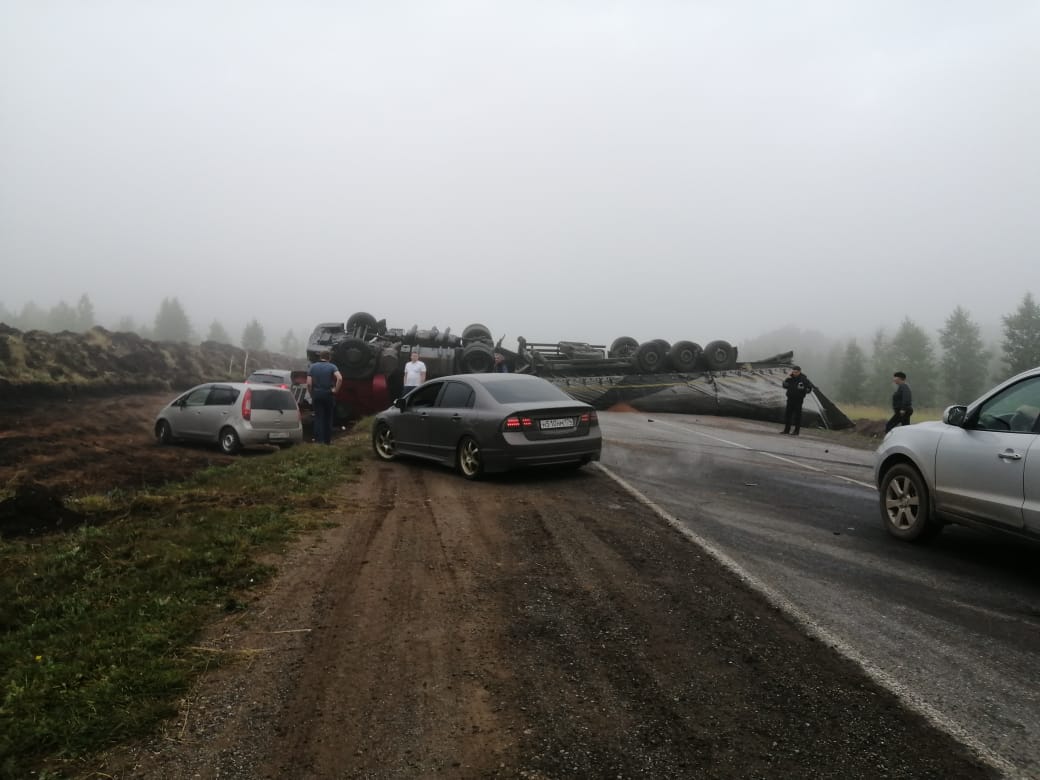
column 797, row 386
column 902, row 407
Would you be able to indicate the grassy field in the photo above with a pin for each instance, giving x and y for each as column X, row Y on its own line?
column 855, row 412
column 98, row 624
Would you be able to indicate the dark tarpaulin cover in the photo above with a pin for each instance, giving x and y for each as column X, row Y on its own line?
column 751, row 393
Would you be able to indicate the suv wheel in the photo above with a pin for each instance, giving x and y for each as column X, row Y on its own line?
column 905, row 504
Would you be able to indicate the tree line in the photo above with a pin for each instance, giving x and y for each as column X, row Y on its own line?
column 171, row 323
column 954, row 365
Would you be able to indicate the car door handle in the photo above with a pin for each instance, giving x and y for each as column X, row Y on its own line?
column 1009, row 455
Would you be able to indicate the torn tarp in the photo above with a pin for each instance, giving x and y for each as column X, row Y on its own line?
column 752, row 393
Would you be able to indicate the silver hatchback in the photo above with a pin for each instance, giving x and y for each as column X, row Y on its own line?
column 233, row 415
column 980, row 466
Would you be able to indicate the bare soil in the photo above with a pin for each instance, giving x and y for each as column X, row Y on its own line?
column 535, row 625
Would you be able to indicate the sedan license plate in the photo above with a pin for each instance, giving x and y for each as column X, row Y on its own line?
column 278, row 435
column 559, row 422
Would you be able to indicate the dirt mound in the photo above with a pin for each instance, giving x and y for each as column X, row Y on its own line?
column 35, row 509
column 40, row 364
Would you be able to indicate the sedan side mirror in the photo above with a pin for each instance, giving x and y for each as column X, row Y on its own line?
column 399, row 403
column 955, row 415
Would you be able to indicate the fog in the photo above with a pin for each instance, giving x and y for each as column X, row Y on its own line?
column 554, row 170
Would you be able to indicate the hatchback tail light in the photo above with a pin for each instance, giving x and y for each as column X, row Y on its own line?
column 247, row 404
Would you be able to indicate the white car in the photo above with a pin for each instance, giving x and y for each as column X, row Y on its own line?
column 980, row 466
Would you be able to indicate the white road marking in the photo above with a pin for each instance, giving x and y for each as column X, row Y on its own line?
column 814, row 629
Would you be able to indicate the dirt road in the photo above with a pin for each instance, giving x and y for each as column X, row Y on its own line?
column 532, row 625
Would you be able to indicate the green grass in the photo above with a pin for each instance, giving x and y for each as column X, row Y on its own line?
column 97, row 624
column 857, row 412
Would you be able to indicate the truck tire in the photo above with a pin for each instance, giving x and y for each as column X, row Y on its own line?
column 650, row 357
column 477, row 358
column 719, row 355
column 354, row 358
column 363, row 320
column 477, row 332
column 685, row 355
column 623, row 346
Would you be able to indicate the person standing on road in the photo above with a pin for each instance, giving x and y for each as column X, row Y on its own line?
column 902, row 406
column 323, row 382
column 501, row 367
column 797, row 386
column 414, row 373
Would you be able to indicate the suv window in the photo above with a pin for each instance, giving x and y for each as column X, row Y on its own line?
column 456, row 396
column 1017, row 409
column 273, row 400
column 222, row 396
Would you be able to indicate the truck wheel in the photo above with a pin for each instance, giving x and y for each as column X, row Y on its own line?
column 623, row 346
column 354, row 358
column 477, row 358
column 650, row 357
column 719, row 355
column 477, row 332
column 362, row 320
column 685, row 355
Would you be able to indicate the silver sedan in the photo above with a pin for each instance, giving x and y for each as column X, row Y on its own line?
column 980, row 466
column 482, row 423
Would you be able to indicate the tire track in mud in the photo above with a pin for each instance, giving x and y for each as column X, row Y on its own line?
column 393, row 687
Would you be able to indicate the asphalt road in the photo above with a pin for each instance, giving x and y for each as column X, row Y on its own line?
column 952, row 627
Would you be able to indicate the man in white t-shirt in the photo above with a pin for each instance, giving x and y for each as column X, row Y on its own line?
column 414, row 373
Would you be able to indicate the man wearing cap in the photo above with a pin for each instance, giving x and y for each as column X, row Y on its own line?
column 797, row 386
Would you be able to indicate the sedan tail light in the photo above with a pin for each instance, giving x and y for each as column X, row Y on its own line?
column 590, row 417
column 247, row 404
column 517, row 422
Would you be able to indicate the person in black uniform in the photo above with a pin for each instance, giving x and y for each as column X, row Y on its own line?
column 902, row 407
column 797, row 386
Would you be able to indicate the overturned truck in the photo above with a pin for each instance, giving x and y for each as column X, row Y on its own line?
column 649, row 376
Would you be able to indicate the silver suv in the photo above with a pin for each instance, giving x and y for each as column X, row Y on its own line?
column 980, row 466
column 233, row 415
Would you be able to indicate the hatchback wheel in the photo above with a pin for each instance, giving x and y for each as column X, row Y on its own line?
column 467, row 460
column 383, row 442
column 906, row 505
column 163, row 433
column 229, row 441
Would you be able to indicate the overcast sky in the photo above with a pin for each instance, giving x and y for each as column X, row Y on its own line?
column 554, row 170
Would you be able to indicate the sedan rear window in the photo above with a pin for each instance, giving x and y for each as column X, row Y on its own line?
column 273, row 400
column 523, row 392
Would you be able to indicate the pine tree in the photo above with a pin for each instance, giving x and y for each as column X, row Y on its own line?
column 62, row 317
column 1022, row 336
column 253, row 336
column 218, row 333
column 85, row 314
column 912, row 352
column 290, row 344
column 171, row 323
column 852, row 379
column 964, row 360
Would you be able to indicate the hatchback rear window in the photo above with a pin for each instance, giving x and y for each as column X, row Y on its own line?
column 273, row 400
